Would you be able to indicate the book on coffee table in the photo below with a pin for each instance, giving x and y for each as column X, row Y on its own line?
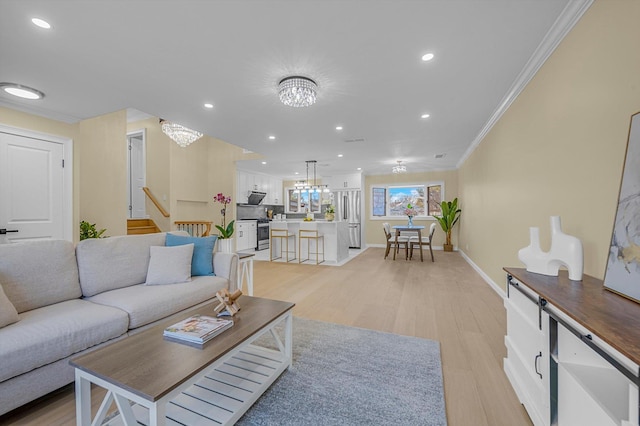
column 196, row 330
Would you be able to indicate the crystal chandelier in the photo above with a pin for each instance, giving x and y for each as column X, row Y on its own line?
column 399, row 168
column 181, row 135
column 297, row 91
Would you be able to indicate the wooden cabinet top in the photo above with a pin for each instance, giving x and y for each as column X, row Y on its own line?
column 611, row 317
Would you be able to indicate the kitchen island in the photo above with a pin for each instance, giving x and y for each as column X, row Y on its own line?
column 336, row 239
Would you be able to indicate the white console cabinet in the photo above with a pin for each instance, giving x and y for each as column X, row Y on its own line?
column 573, row 350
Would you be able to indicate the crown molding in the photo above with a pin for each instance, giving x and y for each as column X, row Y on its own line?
column 560, row 28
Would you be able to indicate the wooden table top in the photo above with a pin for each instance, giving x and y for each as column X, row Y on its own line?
column 151, row 367
column 611, row 317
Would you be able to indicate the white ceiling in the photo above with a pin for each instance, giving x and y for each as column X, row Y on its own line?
column 167, row 58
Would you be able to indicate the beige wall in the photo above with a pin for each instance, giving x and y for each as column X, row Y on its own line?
column 102, row 159
column 560, row 147
column 373, row 227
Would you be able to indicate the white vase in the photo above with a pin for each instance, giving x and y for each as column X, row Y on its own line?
column 566, row 251
column 225, row 245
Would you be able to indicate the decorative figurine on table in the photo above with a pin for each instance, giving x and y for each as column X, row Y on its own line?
column 566, row 251
column 228, row 302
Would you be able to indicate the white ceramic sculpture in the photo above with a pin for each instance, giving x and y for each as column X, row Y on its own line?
column 565, row 251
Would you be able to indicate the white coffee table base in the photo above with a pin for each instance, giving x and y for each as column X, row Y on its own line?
column 220, row 394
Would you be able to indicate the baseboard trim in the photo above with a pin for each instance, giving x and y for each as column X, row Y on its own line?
column 484, row 276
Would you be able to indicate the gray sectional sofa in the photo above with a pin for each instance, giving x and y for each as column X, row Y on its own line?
column 74, row 299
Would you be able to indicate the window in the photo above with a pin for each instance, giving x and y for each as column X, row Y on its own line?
column 379, row 197
column 301, row 200
column 391, row 201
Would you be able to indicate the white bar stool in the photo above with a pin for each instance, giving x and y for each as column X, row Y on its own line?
column 280, row 231
column 309, row 232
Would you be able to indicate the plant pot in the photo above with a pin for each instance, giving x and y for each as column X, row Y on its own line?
column 330, row 216
column 225, row 245
column 448, row 247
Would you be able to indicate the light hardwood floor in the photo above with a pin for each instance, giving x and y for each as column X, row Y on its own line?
column 445, row 301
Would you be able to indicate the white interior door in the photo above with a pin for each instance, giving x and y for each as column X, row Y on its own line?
column 32, row 189
column 136, row 175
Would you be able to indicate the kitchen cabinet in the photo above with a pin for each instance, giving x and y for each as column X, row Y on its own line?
column 246, row 234
column 252, row 235
column 346, row 181
column 245, row 184
column 248, row 181
column 573, row 350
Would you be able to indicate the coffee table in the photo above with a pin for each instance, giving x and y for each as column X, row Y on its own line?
column 159, row 382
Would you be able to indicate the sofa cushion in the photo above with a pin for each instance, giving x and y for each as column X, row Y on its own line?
column 39, row 273
column 111, row 263
column 146, row 304
column 53, row 332
column 169, row 265
column 202, row 262
column 8, row 313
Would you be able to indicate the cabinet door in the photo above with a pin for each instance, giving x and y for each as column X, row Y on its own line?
column 241, row 236
column 245, row 183
column 252, row 237
column 527, row 362
column 277, row 192
column 353, row 181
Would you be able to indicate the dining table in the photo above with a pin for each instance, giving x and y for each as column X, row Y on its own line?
column 409, row 228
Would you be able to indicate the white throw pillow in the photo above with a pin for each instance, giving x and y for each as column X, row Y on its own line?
column 8, row 313
column 169, row 265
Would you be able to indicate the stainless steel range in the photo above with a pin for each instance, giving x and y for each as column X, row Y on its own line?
column 263, row 234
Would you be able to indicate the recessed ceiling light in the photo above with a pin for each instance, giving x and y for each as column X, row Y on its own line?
column 208, row 105
column 427, row 57
column 359, row 168
column 425, row 116
column 21, row 91
column 264, row 162
column 338, row 127
column 41, row 23
column 296, row 173
column 272, row 137
column 340, row 155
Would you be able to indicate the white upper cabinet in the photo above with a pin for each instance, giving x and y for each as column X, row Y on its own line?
column 347, row 181
column 248, row 181
column 245, row 184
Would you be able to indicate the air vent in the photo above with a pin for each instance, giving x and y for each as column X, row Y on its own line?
column 354, row 140
column 440, row 155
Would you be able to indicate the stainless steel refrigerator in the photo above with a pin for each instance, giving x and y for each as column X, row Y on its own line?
column 347, row 204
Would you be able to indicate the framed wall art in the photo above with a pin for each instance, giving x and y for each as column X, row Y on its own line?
column 623, row 266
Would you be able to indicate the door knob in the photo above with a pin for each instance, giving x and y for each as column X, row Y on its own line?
column 4, row 231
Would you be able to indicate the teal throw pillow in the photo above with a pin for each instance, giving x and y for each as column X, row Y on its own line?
column 202, row 262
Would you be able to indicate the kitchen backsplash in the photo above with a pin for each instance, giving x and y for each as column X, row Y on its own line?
column 245, row 211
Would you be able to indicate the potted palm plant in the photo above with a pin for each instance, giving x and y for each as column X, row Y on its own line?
column 450, row 215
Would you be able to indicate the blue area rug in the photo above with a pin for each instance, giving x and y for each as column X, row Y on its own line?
column 352, row 376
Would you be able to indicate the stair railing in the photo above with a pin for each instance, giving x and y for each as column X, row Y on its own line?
column 195, row 228
column 155, row 202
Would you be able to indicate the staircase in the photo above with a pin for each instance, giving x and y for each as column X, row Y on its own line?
column 141, row 226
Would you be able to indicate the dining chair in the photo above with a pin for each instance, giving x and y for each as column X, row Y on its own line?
column 391, row 242
column 426, row 241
